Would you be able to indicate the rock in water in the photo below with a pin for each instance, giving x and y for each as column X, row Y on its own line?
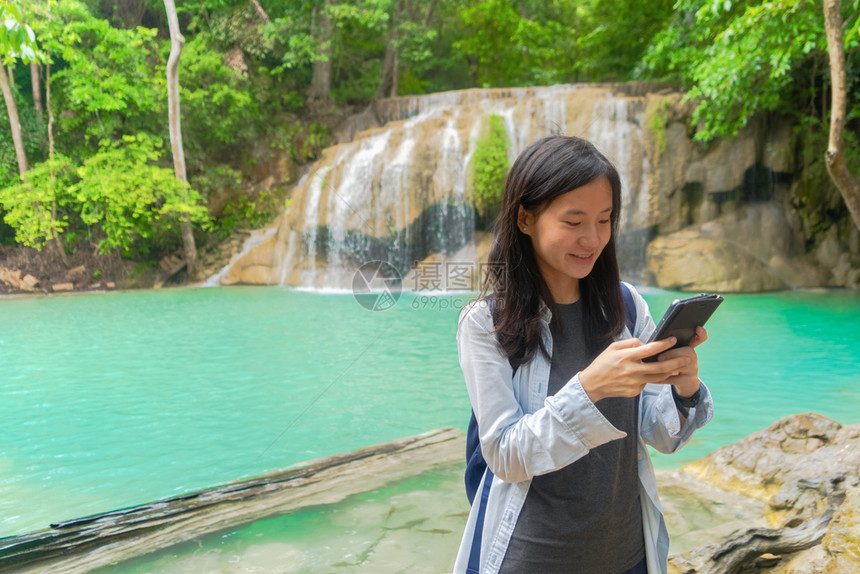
column 806, row 470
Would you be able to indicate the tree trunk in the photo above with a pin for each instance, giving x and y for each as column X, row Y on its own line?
column 260, row 12
column 837, row 167
column 176, row 44
column 321, row 80
column 395, row 76
column 37, row 89
column 389, row 65
column 387, row 70
column 50, row 113
column 58, row 246
column 14, row 122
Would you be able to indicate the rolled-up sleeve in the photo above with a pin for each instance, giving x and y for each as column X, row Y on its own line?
column 518, row 445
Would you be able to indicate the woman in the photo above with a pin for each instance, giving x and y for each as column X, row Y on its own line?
column 564, row 403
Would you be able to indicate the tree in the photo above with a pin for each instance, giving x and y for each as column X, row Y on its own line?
column 176, row 43
column 837, row 166
column 390, row 67
column 17, row 40
column 321, row 81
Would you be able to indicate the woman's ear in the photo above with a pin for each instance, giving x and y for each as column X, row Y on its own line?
column 525, row 220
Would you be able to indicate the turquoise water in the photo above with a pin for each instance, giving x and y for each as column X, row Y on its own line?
column 110, row 400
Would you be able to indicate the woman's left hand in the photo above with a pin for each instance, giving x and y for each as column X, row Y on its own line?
column 686, row 380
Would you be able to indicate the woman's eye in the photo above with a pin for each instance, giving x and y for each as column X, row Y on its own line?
column 604, row 221
column 572, row 223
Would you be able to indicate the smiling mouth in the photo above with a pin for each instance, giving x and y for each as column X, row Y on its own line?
column 582, row 256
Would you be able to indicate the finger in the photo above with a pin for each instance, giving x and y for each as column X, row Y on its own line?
column 677, row 352
column 654, row 348
column 701, row 337
column 667, row 367
column 627, row 343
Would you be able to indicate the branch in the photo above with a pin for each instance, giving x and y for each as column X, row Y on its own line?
column 834, row 157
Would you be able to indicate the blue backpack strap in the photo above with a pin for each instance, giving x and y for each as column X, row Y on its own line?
column 474, row 566
column 629, row 307
column 475, row 464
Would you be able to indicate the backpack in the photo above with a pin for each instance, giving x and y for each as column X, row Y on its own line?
column 475, row 463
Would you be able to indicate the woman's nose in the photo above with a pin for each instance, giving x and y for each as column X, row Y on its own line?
column 589, row 237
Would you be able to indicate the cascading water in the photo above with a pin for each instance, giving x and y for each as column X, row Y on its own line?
column 400, row 193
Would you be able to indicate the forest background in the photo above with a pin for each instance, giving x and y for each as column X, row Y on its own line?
column 87, row 172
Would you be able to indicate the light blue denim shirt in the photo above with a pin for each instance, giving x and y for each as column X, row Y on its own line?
column 524, row 433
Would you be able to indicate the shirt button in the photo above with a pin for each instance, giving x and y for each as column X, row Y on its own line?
column 640, row 456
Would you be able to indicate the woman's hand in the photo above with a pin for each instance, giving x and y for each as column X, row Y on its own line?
column 686, row 381
column 619, row 371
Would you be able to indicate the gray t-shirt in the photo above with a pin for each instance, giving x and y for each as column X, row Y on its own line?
column 586, row 516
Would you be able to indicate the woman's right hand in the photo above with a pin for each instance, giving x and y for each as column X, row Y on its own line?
column 619, row 371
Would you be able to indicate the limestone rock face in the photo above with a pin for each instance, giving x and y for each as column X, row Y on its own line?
column 753, row 248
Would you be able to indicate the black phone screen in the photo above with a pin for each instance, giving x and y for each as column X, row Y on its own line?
column 682, row 318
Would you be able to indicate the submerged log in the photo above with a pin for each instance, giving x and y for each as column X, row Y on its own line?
column 83, row 544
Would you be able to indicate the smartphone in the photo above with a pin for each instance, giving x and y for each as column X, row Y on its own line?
column 682, row 317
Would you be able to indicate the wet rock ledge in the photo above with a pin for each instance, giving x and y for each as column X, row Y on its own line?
column 805, row 469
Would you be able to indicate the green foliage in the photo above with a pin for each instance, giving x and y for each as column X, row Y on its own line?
column 507, row 47
column 111, row 81
column 218, row 105
column 490, row 167
column 657, row 120
column 17, row 39
column 514, row 42
column 737, row 59
column 124, row 193
column 30, row 206
column 250, row 212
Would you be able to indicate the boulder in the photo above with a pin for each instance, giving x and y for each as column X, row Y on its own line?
column 12, row 279
column 806, row 470
column 76, row 273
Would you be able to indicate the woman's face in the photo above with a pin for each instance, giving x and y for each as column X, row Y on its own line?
column 569, row 235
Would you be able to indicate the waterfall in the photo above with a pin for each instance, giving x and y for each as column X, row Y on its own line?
column 400, row 193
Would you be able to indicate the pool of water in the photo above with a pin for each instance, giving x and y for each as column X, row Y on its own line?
column 116, row 399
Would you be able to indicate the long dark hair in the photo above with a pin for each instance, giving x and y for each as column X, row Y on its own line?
column 546, row 169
